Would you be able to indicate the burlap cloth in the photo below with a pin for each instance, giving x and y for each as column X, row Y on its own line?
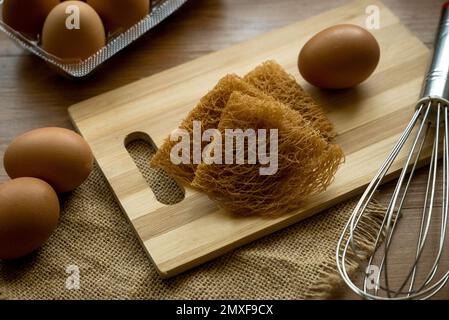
column 94, row 235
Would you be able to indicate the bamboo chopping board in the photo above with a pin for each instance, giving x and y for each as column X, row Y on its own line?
column 368, row 120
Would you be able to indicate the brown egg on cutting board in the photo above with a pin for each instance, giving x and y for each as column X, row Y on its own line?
column 65, row 38
column 339, row 57
column 118, row 15
column 27, row 16
column 29, row 213
column 58, row 156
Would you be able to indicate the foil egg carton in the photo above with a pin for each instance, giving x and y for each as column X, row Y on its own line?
column 161, row 9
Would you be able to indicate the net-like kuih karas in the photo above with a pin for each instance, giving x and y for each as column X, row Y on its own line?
column 272, row 79
column 306, row 162
column 208, row 113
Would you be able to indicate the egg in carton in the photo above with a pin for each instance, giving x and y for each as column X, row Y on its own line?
column 76, row 37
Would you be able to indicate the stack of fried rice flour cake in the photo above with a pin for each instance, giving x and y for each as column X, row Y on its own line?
column 284, row 156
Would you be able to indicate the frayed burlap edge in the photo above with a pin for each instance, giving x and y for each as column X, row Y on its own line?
column 331, row 280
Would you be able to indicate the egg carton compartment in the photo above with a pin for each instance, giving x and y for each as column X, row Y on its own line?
column 160, row 10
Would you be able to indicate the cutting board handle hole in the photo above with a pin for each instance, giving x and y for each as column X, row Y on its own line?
column 141, row 148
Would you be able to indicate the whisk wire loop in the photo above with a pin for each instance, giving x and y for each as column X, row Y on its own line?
column 430, row 121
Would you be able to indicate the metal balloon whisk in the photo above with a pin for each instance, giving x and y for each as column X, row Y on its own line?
column 420, row 262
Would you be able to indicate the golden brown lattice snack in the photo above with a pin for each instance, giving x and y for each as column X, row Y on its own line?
column 208, row 112
column 273, row 80
column 306, row 161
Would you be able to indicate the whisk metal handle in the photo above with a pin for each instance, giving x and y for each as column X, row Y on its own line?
column 436, row 82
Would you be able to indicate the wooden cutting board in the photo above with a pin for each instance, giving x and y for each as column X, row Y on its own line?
column 368, row 120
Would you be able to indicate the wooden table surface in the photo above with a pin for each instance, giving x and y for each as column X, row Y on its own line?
column 32, row 96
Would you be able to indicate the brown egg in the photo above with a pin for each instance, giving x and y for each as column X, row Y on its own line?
column 58, row 156
column 27, row 16
column 29, row 213
column 339, row 57
column 64, row 38
column 118, row 15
